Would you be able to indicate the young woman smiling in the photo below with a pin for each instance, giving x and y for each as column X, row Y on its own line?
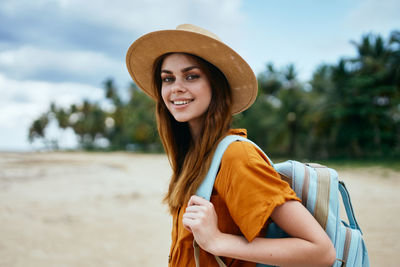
column 198, row 83
column 185, row 90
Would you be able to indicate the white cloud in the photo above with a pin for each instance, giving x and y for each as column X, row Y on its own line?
column 61, row 50
column 23, row 101
column 86, row 41
column 375, row 16
column 133, row 15
column 27, row 62
column 147, row 15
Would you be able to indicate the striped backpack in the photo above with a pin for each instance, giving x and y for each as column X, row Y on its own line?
column 318, row 188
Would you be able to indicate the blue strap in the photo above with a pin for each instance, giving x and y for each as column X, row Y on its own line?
column 347, row 205
column 206, row 187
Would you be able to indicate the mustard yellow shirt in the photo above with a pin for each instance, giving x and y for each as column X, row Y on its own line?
column 246, row 191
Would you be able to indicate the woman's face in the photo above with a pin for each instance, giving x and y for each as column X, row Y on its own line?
column 185, row 89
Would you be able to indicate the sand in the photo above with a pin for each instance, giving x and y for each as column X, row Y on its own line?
column 104, row 209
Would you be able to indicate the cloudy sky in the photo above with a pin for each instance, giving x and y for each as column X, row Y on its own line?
column 63, row 50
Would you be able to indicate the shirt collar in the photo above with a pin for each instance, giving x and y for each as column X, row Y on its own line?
column 241, row 132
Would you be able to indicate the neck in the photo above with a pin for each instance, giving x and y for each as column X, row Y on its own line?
column 195, row 133
column 195, row 129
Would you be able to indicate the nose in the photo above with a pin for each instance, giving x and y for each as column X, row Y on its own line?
column 178, row 87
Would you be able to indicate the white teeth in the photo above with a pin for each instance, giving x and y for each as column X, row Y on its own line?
column 181, row 102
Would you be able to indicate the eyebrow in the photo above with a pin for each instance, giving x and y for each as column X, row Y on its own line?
column 183, row 70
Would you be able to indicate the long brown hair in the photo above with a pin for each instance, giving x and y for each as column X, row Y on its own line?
column 190, row 160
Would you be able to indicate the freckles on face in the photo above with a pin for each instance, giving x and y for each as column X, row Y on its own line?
column 185, row 88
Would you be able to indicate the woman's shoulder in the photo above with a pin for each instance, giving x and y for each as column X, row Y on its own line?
column 242, row 152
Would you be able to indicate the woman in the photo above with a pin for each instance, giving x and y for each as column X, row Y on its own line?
column 198, row 83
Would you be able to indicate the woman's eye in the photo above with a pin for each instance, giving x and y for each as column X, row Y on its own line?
column 167, row 79
column 192, row 76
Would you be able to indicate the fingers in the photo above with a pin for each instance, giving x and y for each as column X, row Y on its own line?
column 196, row 212
column 187, row 224
column 198, row 209
column 193, row 220
column 200, row 218
column 196, row 200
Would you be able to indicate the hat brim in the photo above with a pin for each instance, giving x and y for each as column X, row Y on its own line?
column 144, row 51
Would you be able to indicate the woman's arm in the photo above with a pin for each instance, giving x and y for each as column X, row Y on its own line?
column 308, row 245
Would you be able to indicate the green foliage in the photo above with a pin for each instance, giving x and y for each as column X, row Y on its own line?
column 360, row 102
column 124, row 126
column 276, row 121
column 351, row 110
column 37, row 128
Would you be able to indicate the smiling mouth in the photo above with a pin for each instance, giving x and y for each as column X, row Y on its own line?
column 181, row 102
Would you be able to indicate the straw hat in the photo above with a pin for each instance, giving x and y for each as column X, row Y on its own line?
column 192, row 39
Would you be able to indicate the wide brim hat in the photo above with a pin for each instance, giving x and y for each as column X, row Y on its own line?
column 191, row 39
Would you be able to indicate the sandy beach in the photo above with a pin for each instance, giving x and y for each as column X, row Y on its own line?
column 104, row 209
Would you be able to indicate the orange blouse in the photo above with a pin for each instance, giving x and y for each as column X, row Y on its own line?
column 246, row 191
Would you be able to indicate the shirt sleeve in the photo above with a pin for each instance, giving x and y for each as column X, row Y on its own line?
column 250, row 187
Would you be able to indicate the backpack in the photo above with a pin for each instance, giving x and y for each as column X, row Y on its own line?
column 318, row 188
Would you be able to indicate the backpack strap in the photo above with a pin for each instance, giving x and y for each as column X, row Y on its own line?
column 197, row 256
column 347, row 205
column 206, row 187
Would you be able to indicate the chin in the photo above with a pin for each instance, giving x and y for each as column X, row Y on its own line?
column 180, row 119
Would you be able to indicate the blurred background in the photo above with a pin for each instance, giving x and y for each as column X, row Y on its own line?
column 329, row 90
column 328, row 73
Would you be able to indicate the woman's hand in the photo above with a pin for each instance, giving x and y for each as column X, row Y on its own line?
column 201, row 219
column 308, row 238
